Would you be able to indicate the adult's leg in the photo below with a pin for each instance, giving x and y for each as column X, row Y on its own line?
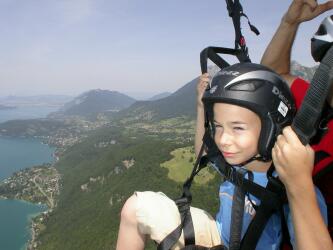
column 129, row 237
column 154, row 215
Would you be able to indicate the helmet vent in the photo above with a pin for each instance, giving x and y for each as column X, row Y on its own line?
column 321, row 30
column 247, row 86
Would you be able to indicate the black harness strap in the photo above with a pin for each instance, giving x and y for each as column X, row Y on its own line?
column 183, row 204
column 271, row 199
column 196, row 247
column 233, row 176
column 171, row 239
column 307, row 118
column 268, row 206
column 237, row 212
column 235, row 10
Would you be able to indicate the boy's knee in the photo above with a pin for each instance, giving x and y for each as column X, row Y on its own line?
column 128, row 212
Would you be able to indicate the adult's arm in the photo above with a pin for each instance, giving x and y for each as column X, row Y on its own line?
column 278, row 52
column 294, row 164
column 200, row 124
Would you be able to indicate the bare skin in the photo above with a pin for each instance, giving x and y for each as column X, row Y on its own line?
column 129, row 237
column 200, row 128
column 310, row 229
column 311, row 233
column 236, row 137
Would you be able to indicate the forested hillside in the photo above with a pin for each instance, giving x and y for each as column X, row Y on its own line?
column 96, row 181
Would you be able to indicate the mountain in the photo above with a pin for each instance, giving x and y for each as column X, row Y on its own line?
column 302, row 71
column 159, row 96
column 96, row 101
column 180, row 103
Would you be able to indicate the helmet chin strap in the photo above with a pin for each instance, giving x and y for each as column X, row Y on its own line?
column 254, row 158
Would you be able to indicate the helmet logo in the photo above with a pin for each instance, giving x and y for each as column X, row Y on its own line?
column 283, row 109
column 213, row 89
column 277, row 92
column 229, row 73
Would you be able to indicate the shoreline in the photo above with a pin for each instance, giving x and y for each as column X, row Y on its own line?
column 27, row 217
column 35, row 221
column 32, row 243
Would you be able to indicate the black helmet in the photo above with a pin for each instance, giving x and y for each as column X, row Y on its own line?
column 322, row 39
column 259, row 89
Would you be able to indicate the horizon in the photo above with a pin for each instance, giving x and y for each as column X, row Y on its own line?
column 72, row 46
column 138, row 96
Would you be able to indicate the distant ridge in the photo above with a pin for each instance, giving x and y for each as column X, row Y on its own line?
column 159, row 96
column 180, row 103
column 302, row 71
column 96, row 101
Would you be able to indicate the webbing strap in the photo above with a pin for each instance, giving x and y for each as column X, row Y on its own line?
column 171, row 239
column 271, row 197
column 267, row 207
column 186, row 225
column 184, row 209
column 235, row 10
column 307, row 118
column 234, row 177
column 237, row 213
column 196, row 247
column 183, row 203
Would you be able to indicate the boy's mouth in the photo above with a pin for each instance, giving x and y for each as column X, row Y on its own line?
column 227, row 154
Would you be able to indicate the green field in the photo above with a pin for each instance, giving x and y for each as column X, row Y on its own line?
column 181, row 165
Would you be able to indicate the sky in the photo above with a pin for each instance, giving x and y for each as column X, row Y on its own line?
column 131, row 46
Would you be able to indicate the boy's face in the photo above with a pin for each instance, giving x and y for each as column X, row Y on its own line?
column 237, row 132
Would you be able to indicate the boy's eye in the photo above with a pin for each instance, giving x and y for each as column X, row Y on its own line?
column 217, row 126
column 238, row 128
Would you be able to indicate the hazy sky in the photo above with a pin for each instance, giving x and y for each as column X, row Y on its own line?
column 71, row 46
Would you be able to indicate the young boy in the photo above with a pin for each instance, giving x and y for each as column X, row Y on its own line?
column 248, row 105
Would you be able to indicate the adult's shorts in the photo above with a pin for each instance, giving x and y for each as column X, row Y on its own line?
column 158, row 216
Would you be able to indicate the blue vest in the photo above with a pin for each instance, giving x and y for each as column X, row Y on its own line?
column 272, row 235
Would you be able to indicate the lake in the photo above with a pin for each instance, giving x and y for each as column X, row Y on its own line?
column 16, row 154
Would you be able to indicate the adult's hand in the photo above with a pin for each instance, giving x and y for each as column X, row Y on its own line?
column 304, row 10
column 201, row 86
column 293, row 161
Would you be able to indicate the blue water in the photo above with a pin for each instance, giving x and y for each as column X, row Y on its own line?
column 14, row 223
column 26, row 112
column 19, row 153
column 15, row 154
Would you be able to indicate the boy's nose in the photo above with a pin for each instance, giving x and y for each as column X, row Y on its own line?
column 225, row 139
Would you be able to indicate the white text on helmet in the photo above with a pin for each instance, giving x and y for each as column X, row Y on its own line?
column 229, row 73
column 277, row 92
